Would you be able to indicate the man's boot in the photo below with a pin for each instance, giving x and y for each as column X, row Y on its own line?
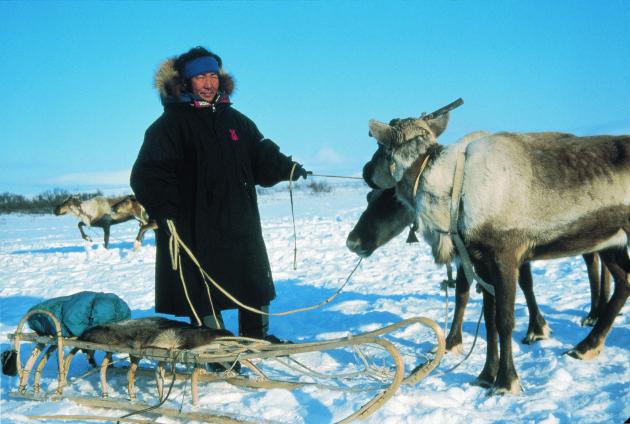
column 256, row 326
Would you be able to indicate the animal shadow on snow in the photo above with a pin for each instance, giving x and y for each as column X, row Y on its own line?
column 565, row 328
column 122, row 245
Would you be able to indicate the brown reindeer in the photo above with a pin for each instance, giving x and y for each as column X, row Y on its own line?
column 95, row 212
column 386, row 217
column 147, row 332
column 523, row 197
column 152, row 332
column 130, row 206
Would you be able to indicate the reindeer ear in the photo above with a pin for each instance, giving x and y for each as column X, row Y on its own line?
column 438, row 125
column 381, row 132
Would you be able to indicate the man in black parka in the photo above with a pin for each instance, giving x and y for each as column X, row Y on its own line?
column 198, row 166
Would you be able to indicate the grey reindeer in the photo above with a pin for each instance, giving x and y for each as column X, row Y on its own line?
column 385, row 217
column 96, row 212
column 524, row 197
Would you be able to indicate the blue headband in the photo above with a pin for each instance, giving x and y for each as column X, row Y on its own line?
column 201, row 65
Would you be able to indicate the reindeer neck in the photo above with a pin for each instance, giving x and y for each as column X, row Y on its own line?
column 81, row 214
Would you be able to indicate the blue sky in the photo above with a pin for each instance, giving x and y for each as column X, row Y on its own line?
column 78, row 96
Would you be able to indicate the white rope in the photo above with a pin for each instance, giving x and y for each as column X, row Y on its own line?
column 176, row 240
column 173, row 248
column 293, row 216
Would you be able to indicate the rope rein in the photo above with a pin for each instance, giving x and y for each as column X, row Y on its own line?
column 176, row 244
column 337, row 176
column 293, row 216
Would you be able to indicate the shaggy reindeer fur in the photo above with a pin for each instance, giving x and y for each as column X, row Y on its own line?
column 524, row 197
column 154, row 332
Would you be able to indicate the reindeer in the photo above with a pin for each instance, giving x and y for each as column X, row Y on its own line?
column 130, row 206
column 523, row 197
column 94, row 212
column 152, row 332
column 386, row 217
column 157, row 332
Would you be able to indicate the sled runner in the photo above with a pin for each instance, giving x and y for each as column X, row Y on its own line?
column 262, row 366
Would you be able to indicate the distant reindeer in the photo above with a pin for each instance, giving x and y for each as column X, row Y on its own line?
column 524, row 197
column 386, row 217
column 130, row 206
column 95, row 212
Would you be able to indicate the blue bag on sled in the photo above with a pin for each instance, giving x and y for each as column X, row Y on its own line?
column 79, row 312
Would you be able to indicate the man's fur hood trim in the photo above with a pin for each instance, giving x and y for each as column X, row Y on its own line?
column 170, row 84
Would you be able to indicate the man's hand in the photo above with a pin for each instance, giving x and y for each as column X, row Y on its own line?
column 300, row 172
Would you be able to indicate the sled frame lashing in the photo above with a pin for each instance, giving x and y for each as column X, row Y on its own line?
column 250, row 353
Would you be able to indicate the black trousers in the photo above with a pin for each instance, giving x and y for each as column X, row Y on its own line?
column 250, row 324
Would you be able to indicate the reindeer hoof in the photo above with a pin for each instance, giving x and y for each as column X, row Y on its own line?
column 136, row 245
column 515, row 389
column 534, row 336
column 457, row 349
column 587, row 355
column 482, row 382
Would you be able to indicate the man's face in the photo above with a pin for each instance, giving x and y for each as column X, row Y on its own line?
column 205, row 86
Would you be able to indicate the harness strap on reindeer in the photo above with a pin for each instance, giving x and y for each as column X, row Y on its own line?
column 456, row 197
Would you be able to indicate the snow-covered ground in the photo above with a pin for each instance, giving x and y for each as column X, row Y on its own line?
column 43, row 257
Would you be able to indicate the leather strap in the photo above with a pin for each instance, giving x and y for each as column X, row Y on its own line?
column 456, row 197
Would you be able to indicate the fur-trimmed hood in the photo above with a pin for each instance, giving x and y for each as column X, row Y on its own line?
column 171, row 85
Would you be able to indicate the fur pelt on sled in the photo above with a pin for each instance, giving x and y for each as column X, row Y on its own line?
column 154, row 332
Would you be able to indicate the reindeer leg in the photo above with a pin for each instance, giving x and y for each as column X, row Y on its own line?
column 505, row 290
column 83, row 235
column 462, row 292
column 106, row 235
column 618, row 263
column 143, row 229
column 490, row 369
column 592, row 269
column 604, row 293
column 538, row 328
column 138, row 241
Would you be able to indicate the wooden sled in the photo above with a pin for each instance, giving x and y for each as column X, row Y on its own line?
column 264, row 366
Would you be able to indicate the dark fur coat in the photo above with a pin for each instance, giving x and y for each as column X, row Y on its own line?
column 199, row 166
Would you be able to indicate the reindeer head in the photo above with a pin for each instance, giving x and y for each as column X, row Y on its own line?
column 384, row 218
column 400, row 144
column 71, row 203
